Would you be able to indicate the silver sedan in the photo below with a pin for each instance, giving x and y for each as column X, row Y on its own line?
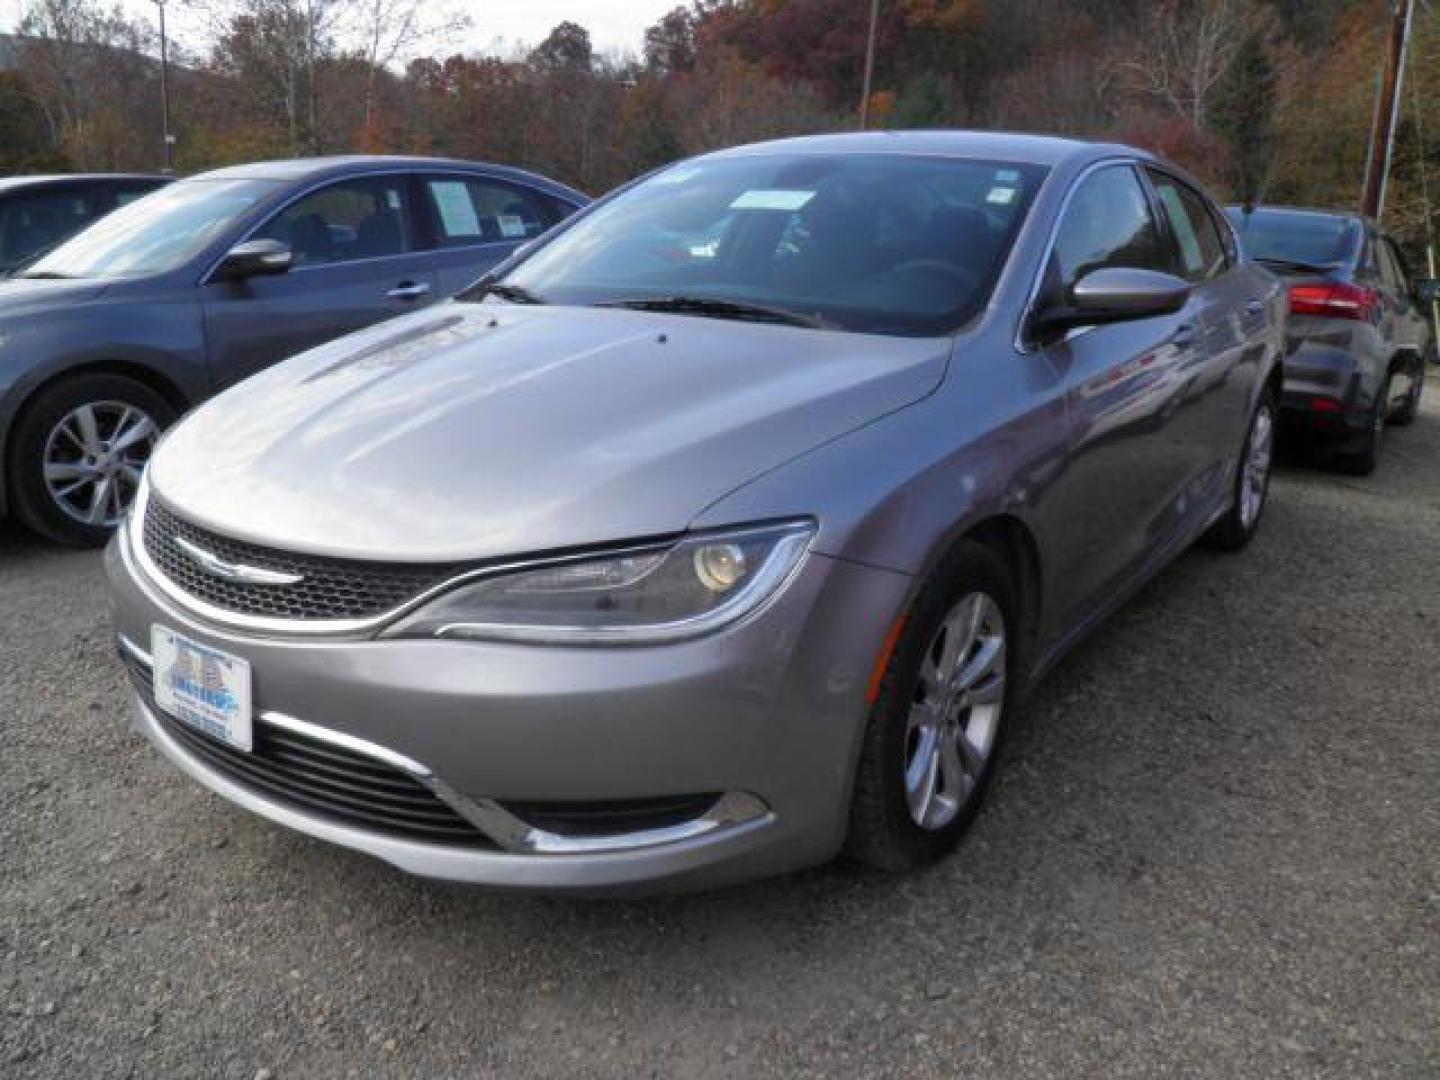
column 718, row 532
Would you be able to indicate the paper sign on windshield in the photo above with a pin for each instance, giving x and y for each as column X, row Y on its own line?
column 773, row 199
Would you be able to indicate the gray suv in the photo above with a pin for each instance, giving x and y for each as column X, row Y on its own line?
column 116, row 332
column 1358, row 333
column 723, row 529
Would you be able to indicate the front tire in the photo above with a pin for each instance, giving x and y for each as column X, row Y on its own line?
column 1252, row 482
column 77, row 452
column 939, row 720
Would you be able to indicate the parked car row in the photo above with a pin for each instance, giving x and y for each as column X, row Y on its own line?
column 721, row 528
column 114, row 333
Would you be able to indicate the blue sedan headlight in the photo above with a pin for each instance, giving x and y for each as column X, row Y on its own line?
column 637, row 596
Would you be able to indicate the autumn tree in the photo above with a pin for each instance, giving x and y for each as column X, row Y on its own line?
column 90, row 76
column 24, row 143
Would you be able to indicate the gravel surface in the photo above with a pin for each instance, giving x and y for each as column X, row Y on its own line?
column 1214, row 851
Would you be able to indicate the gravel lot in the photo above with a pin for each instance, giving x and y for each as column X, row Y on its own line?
column 1214, row 851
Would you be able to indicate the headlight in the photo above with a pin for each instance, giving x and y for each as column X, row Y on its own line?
column 642, row 595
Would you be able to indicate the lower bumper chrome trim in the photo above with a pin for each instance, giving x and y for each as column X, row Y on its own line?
column 731, row 812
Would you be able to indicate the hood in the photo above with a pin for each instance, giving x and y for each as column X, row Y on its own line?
column 476, row 431
column 23, row 296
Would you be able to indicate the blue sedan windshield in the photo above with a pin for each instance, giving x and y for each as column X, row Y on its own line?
column 880, row 243
column 156, row 234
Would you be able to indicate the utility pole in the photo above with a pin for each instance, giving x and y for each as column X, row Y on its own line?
column 1387, row 111
column 1425, row 202
column 869, row 64
column 165, row 93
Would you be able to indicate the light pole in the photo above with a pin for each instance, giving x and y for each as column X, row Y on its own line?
column 869, row 65
column 165, row 93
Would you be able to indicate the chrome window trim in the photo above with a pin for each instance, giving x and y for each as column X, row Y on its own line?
column 1028, row 309
column 733, row 810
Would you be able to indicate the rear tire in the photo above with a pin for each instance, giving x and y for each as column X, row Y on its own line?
column 1252, row 481
column 939, row 720
column 76, row 454
column 1363, row 460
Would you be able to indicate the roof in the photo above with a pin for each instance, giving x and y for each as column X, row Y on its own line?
column 15, row 183
column 321, row 168
column 1015, row 147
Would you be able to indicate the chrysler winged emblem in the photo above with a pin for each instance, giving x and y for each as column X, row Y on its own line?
column 215, row 566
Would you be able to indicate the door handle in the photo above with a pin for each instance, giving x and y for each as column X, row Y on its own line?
column 409, row 290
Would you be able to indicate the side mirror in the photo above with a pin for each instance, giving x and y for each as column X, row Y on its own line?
column 1427, row 290
column 255, row 258
column 1114, row 294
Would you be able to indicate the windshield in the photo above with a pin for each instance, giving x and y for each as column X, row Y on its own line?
column 1320, row 240
column 881, row 243
column 156, row 234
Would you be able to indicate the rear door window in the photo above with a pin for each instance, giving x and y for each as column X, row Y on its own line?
column 469, row 210
column 1202, row 251
column 364, row 218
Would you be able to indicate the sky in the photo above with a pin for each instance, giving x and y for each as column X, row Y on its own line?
column 613, row 24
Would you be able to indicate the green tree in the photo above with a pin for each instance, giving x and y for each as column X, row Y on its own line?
column 926, row 102
column 1242, row 111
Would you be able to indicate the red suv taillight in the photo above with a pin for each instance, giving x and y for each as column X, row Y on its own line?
column 1334, row 301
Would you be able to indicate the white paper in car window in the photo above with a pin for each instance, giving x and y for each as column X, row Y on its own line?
column 675, row 176
column 1001, row 196
column 772, row 199
column 511, row 226
column 457, row 212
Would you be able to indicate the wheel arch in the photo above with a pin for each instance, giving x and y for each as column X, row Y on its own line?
column 1013, row 542
column 144, row 374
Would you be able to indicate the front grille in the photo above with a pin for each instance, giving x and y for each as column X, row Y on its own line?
column 329, row 589
column 614, row 817
column 321, row 779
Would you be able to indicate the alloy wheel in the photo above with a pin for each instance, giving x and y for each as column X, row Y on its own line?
column 955, row 715
column 1255, row 474
column 93, row 460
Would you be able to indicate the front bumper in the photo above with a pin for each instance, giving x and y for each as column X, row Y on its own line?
column 767, row 714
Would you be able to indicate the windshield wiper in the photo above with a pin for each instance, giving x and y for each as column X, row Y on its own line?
column 516, row 294
column 1294, row 265
column 46, row 275
column 719, row 309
